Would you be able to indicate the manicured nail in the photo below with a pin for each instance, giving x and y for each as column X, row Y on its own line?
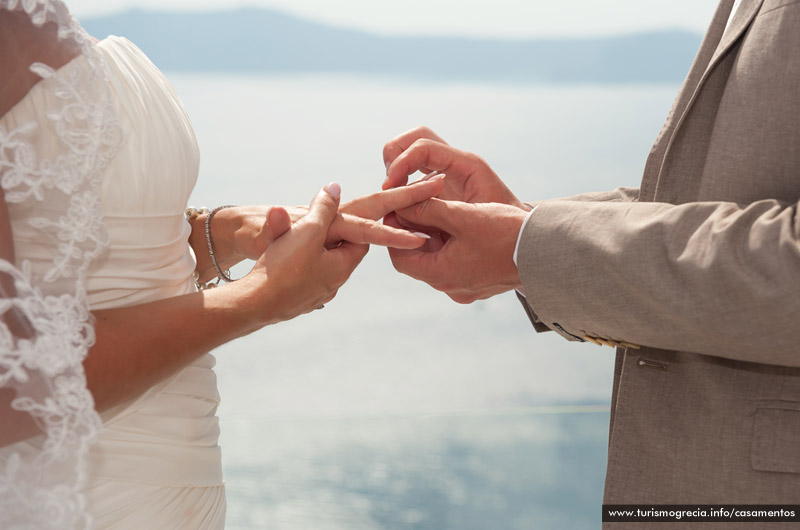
column 430, row 177
column 333, row 189
column 423, row 235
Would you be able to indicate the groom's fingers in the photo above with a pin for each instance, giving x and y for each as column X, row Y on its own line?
column 397, row 145
column 423, row 266
column 429, row 155
column 424, row 154
column 443, row 216
column 377, row 205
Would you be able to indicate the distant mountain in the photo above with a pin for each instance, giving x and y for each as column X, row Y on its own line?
column 260, row 40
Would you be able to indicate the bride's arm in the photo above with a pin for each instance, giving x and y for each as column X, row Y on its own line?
column 139, row 345
column 294, row 273
column 243, row 232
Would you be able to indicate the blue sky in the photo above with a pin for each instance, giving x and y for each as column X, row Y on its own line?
column 495, row 18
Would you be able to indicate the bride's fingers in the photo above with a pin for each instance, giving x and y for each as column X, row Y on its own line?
column 366, row 231
column 377, row 205
column 321, row 213
column 277, row 222
column 344, row 259
column 437, row 238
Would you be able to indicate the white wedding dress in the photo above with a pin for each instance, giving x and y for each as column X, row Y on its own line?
column 157, row 463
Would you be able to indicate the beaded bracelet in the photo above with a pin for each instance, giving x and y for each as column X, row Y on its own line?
column 192, row 213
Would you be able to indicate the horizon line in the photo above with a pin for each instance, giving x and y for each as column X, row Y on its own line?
column 177, row 10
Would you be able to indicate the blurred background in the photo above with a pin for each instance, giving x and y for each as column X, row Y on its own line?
column 395, row 408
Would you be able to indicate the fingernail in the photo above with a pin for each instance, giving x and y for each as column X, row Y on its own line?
column 434, row 178
column 423, row 235
column 333, row 189
column 388, row 163
column 429, row 176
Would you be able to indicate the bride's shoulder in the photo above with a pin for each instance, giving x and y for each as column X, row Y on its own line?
column 24, row 44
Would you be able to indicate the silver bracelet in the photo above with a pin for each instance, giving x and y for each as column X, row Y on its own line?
column 222, row 275
column 192, row 213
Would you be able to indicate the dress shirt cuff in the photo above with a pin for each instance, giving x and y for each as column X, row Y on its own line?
column 519, row 239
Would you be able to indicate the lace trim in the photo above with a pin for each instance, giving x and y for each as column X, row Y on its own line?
column 41, row 479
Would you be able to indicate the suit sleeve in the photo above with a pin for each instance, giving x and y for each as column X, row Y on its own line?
column 621, row 194
column 714, row 278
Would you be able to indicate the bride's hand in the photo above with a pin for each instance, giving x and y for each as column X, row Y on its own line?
column 297, row 273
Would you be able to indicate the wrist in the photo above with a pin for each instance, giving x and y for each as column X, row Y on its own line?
column 519, row 232
column 262, row 300
column 226, row 227
column 243, row 306
column 222, row 230
column 253, row 301
column 517, row 226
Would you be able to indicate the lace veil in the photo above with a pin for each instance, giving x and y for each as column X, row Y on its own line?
column 49, row 172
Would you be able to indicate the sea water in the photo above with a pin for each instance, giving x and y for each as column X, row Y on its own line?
column 394, row 407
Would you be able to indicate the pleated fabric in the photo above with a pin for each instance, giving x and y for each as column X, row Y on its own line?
column 118, row 505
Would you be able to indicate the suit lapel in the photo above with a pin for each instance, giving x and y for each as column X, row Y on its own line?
column 700, row 66
column 741, row 21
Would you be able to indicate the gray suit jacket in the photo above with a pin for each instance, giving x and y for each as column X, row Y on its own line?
column 701, row 268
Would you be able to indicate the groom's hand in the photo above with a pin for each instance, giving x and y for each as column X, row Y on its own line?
column 470, row 253
column 469, row 178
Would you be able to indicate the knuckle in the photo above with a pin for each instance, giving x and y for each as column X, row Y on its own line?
column 462, row 298
column 330, row 296
column 421, row 208
column 476, row 159
column 327, row 202
column 449, row 288
column 391, row 151
column 316, row 223
column 426, row 143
